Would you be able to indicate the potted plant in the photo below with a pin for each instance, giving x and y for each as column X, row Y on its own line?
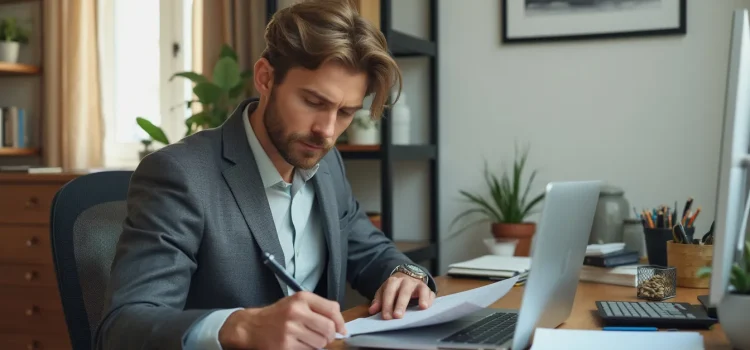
column 363, row 129
column 218, row 96
column 507, row 207
column 735, row 306
column 11, row 38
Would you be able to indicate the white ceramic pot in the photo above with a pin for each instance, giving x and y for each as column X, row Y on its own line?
column 732, row 312
column 9, row 51
column 501, row 246
column 361, row 136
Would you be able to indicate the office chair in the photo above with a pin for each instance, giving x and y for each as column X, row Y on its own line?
column 85, row 224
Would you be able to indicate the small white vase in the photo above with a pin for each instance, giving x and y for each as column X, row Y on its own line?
column 9, row 51
column 360, row 136
column 363, row 135
column 732, row 312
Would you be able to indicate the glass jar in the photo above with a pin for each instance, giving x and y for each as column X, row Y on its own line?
column 611, row 210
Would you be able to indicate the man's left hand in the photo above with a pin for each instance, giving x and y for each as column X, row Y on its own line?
column 392, row 298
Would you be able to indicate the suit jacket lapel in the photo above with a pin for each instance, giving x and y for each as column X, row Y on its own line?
column 328, row 210
column 246, row 185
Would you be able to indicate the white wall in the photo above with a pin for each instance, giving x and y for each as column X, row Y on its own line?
column 642, row 113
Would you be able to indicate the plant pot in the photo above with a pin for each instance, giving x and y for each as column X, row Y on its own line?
column 9, row 51
column 732, row 312
column 361, row 136
column 523, row 232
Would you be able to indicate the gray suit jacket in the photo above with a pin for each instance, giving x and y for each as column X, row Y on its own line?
column 198, row 222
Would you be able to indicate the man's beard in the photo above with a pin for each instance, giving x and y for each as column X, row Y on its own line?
column 284, row 144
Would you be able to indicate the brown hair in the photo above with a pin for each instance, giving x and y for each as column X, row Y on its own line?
column 310, row 33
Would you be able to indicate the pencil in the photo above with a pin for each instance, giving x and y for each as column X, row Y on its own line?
column 660, row 219
column 687, row 207
column 692, row 218
column 648, row 218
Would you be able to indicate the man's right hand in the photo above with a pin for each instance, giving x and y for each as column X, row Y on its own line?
column 301, row 321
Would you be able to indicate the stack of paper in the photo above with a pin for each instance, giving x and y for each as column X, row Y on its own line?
column 443, row 309
column 621, row 275
column 603, row 249
column 492, row 266
column 545, row 338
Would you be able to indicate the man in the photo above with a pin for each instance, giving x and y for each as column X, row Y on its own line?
column 189, row 271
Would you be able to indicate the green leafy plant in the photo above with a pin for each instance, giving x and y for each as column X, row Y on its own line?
column 507, row 203
column 11, row 31
column 739, row 277
column 218, row 96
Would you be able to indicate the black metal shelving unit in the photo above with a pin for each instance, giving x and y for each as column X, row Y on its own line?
column 403, row 45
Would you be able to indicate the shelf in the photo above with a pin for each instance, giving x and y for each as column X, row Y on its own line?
column 417, row 251
column 398, row 152
column 18, row 152
column 406, row 45
column 413, row 152
column 18, row 69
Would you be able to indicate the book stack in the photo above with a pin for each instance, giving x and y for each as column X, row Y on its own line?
column 610, row 264
column 13, row 127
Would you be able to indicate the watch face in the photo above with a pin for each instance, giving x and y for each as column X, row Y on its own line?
column 414, row 269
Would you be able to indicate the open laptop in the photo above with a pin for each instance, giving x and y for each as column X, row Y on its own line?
column 556, row 260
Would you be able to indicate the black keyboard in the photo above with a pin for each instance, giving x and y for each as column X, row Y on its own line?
column 653, row 314
column 494, row 329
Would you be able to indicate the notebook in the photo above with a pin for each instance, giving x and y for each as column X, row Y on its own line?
column 491, row 266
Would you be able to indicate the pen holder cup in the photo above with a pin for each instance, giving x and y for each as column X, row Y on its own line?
column 688, row 259
column 656, row 283
column 656, row 243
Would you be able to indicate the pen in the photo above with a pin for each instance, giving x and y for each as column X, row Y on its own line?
column 281, row 273
column 631, row 329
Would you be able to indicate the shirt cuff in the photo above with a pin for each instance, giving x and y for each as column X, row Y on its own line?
column 205, row 333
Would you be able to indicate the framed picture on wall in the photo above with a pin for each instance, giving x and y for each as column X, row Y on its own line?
column 555, row 20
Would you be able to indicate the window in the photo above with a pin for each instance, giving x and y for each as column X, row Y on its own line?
column 142, row 44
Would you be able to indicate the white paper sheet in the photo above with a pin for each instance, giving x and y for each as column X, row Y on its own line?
column 443, row 309
column 546, row 338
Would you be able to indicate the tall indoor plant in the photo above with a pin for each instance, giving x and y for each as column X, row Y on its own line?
column 218, row 96
column 735, row 306
column 507, row 206
column 11, row 38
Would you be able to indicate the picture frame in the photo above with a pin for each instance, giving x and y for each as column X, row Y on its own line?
column 562, row 20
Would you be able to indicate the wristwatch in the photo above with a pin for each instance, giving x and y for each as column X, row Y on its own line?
column 412, row 270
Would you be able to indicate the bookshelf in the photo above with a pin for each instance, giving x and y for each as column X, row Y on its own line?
column 402, row 45
column 22, row 84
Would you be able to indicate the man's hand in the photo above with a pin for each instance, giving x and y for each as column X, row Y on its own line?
column 301, row 321
column 394, row 295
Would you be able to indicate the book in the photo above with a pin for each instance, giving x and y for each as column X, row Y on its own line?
column 491, row 266
column 14, row 127
column 618, row 258
column 7, row 128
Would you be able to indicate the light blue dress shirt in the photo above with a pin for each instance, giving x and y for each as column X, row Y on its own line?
column 299, row 229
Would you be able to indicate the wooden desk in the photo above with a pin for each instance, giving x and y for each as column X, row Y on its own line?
column 583, row 314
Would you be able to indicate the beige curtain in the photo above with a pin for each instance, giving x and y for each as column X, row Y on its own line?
column 73, row 127
column 238, row 23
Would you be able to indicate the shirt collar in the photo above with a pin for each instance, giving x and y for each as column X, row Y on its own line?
column 268, row 173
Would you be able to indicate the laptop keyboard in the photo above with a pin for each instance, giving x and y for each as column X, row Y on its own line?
column 496, row 328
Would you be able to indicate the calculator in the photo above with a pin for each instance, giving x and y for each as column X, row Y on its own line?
column 653, row 314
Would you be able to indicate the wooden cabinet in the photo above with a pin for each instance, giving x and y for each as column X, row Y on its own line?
column 31, row 314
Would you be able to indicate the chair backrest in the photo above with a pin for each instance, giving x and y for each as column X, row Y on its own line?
column 85, row 224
